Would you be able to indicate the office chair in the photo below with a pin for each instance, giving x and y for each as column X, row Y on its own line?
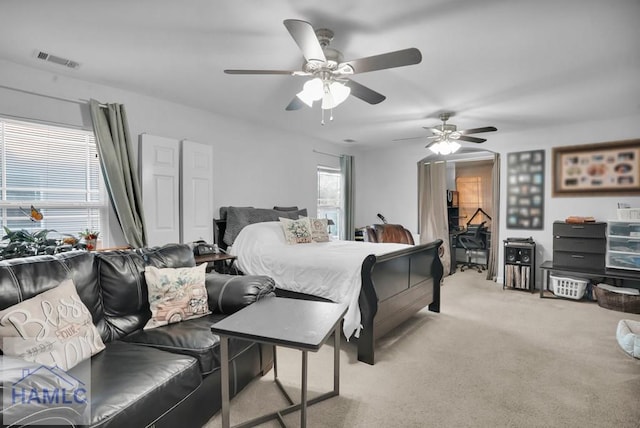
column 474, row 243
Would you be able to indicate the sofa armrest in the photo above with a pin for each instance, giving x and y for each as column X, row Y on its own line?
column 230, row 293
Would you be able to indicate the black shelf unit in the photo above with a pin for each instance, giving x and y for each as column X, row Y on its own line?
column 519, row 264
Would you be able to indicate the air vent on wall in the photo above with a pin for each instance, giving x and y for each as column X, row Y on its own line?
column 57, row 60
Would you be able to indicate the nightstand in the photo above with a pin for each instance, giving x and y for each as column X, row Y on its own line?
column 220, row 262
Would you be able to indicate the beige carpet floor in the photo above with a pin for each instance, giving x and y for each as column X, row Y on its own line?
column 491, row 358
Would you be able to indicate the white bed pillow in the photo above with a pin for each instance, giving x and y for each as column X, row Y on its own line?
column 269, row 232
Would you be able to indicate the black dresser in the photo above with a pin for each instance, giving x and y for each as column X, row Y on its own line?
column 580, row 246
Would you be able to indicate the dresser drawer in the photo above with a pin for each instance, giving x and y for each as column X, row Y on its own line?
column 574, row 259
column 583, row 245
column 584, row 230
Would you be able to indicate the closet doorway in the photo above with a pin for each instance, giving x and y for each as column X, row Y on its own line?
column 474, row 176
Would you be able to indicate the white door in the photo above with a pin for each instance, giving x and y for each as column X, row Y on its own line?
column 197, row 192
column 159, row 160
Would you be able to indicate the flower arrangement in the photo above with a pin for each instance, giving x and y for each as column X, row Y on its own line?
column 89, row 234
column 90, row 237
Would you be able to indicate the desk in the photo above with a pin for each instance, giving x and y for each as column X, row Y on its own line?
column 618, row 275
column 300, row 324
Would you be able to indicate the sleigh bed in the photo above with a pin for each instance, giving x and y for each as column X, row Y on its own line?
column 384, row 284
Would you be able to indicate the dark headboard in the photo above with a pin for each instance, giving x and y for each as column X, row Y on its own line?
column 243, row 216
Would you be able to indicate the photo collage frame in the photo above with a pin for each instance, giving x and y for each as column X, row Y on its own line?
column 525, row 190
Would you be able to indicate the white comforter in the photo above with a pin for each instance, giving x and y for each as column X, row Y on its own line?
column 326, row 269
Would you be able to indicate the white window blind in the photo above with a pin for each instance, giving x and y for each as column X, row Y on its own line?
column 54, row 169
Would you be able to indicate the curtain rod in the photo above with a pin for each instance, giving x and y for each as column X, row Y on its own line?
column 53, row 97
column 327, row 154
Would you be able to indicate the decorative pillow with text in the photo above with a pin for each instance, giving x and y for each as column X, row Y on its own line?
column 296, row 231
column 319, row 229
column 53, row 328
column 176, row 294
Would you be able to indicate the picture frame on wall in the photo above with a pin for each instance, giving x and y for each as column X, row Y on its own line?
column 601, row 169
column 525, row 190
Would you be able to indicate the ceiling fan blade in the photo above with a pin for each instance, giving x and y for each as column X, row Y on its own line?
column 478, row 130
column 471, row 139
column 364, row 93
column 306, row 39
column 295, row 104
column 387, row 60
column 410, row 138
column 291, row 73
column 437, row 131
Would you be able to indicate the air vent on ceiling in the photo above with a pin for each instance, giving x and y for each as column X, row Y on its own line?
column 57, row 60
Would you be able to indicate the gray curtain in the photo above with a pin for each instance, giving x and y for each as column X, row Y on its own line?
column 346, row 166
column 432, row 207
column 119, row 170
column 492, row 263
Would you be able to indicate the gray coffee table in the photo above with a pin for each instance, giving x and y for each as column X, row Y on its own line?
column 300, row 324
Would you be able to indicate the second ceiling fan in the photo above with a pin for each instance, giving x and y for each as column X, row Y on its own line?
column 445, row 135
column 330, row 76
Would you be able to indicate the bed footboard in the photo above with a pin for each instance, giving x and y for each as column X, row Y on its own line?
column 394, row 287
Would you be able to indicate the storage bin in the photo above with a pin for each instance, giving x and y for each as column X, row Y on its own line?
column 617, row 301
column 628, row 213
column 571, row 288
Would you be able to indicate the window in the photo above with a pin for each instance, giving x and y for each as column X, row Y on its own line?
column 54, row 169
column 470, row 197
column 330, row 197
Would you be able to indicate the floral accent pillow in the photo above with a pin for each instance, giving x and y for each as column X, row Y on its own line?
column 53, row 328
column 319, row 229
column 176, row 294
column 296, row 231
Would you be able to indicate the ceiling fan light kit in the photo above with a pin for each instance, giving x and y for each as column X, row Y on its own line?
column 446, row 136
column 332, row 93
column 330, row 76
column 446, row 147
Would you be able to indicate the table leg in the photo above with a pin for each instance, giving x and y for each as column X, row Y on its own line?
column 303, row 398
column 224, row 371
column 336, row 360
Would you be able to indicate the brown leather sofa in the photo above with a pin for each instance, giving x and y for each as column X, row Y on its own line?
column 168, row 376
column 388, row 233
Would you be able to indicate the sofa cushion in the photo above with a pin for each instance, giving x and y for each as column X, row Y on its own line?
column 176, row 294
column 133, row 386
column 53, row 328
column 123, row 286
column 191, row 337
column 24, row 401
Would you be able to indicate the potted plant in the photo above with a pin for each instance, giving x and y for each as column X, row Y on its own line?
column 23, row 243
column 90, row 238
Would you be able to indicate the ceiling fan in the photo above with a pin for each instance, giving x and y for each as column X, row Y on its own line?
column 330, row 76
column 445, row 136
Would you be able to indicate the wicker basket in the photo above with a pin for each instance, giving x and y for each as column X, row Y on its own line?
column 617, row 301
column 571, row 288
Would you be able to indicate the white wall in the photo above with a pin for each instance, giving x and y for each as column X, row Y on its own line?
column 387, row 179
column 253, row 165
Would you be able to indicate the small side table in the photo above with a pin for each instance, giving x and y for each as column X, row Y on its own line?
column 220, row 262
column 299, row 324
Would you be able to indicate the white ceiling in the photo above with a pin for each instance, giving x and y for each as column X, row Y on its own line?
column 513, row 64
